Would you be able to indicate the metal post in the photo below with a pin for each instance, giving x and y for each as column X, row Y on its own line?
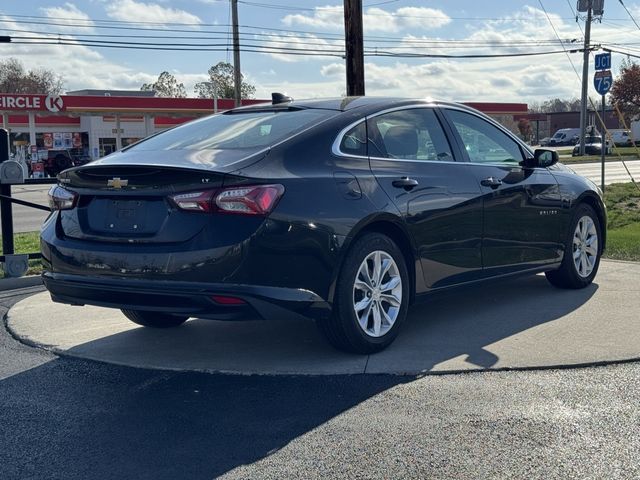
column 147, row 125
column 6, row 207
column 585, row 74
column 604, row 144
column 32, row 128
column 237, row 77
column 118, row 133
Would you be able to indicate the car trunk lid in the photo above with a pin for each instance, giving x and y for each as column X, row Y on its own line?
column 131, row 203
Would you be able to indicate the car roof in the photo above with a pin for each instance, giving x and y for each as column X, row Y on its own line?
column 344, row 104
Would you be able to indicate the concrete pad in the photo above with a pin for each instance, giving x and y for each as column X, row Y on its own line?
column 524, row 323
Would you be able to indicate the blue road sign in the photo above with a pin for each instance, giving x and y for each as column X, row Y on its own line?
column 603, row 80
column 603, row 61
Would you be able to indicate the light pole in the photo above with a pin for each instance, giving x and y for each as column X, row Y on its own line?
column 214, row 88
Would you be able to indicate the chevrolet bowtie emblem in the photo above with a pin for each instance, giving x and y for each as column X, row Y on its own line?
column 117, row 183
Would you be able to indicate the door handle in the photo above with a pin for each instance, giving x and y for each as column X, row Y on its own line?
column 405, row 182
column 491, row 182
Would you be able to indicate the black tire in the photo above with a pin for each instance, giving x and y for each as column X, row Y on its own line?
column 342, row 329
column 567, row 275
column 154, row 319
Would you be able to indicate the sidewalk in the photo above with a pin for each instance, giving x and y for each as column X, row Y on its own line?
column 516, row 324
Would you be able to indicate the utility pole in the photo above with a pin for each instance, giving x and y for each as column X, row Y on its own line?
column 354, row 48
column 585, row 74
column 237, row 77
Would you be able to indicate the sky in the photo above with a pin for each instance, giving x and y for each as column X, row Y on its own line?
column 314, row 32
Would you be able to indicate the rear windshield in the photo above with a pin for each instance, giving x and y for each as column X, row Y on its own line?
column 248, row 130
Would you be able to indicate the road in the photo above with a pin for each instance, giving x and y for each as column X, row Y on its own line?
column 77, row 419
column 614, row 171
column 29, row 219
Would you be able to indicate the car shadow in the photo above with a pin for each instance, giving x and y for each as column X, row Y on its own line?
column 452, row 331
column 459, row 330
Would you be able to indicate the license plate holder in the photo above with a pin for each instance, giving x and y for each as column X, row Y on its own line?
column 125, row 216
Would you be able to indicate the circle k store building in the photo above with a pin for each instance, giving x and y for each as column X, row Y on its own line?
column 94, row 123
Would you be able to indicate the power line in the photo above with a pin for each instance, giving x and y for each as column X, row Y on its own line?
column 96, row 22
column 614, row 50
column 629, row 13
column 421, row 44
column 306, row 40
column 278, row 50
column 558, row 36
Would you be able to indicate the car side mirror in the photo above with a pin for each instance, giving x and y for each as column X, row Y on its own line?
column 542, row 158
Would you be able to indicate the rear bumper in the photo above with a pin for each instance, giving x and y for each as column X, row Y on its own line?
column 187, row 298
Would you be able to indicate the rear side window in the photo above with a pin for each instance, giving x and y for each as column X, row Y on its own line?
column 412, row 134
column 354, row 142
column 247, row 130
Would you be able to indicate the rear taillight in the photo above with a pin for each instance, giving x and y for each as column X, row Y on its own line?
column 251, row 200
column 195, row 201
column 61, row 198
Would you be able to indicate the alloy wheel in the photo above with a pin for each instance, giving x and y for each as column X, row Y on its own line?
column 585, row 246
column 377, row 293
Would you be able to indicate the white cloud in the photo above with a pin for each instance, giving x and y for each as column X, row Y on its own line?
column 333, row 70
column 78, row 64
column 69, row 13
column 131, row 11
column 299, row 43
column 374, row 18
column 323, row 17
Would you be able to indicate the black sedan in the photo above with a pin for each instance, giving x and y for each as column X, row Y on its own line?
column 343, row 210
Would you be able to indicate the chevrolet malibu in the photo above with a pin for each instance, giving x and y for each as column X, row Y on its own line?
column 344, row 210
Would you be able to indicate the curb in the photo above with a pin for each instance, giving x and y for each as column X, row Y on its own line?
column 20, row 282
column 59, row 352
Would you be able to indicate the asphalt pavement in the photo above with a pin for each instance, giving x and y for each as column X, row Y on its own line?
column 26, row 219
column 615, row 172
column 65, row 418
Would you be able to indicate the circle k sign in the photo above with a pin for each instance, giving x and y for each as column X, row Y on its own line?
column 16, row 102
column 53, row 104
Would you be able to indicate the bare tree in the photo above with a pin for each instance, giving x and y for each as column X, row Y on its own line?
column 555, row 105
column 166, row 86
column 14, row 78
column 221, row 82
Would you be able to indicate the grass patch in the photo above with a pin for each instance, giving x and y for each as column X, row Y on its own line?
column 624, row 243
column 28, row 242
column 627, row 153
column 623, row 210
